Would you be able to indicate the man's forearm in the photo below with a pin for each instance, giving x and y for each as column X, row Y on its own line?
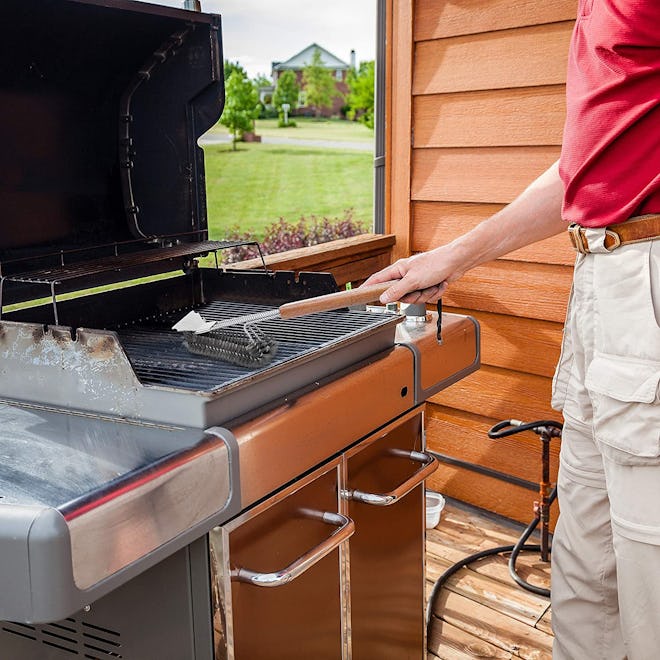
column 534, row 215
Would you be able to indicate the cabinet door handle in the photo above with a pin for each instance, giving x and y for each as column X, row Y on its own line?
column 345, row 528
column 429, row 466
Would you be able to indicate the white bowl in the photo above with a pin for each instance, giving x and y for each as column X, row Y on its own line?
column 434, row 505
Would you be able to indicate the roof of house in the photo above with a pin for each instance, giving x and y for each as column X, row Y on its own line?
column 304, row 57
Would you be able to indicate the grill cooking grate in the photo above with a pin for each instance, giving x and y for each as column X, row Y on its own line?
column 159, row 357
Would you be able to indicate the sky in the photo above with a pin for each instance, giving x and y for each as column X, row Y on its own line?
column 258, row 32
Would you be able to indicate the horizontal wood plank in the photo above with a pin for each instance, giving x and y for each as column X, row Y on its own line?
column 474, row 530
column 436, row 223
column 503, row 632
column 349, row 260
column 340, row 251
column 520, row 605
column 495, row 175
column 500, row 394
column 434, row 20
column 443, row 547
column 510, row 117
column 463, row 531
column 448, row 642
column 521, row 57
column 517, row 343
column 465, row 436
column 537, row 291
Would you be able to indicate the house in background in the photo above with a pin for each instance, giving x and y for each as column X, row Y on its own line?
column 299, row 61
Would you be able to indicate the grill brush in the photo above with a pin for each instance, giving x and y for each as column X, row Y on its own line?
column 240, row 341
column 246, row 346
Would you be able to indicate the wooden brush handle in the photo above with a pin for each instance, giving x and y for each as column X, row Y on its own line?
column 359, row 296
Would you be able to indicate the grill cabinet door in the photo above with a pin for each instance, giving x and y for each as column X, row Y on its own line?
column 387, row 549
column 273, row 618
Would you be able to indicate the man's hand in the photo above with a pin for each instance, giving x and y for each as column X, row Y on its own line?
column 422, row 278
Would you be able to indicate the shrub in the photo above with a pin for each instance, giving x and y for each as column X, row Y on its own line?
column 267, row 112
column 290, row 124
column 283, row 235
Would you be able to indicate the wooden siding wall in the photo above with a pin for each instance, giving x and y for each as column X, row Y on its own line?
column 479, row 86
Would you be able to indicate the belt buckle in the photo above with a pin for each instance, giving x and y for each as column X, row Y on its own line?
column 578, row 239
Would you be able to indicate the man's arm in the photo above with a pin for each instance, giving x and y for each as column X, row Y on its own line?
column 535, row 214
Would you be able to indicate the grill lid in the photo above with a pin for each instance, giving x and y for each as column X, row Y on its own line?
column 101, row 107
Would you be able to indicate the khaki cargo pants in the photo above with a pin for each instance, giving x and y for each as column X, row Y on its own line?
column 606, row 548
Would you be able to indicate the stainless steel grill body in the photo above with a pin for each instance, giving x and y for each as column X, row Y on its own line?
column 141, row 370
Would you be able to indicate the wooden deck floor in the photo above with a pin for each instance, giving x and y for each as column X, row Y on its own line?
column 481, row 612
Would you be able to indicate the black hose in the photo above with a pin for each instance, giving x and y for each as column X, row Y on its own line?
column 512, row 426
column 440, row 582
column 547, row 429
column 515, row 550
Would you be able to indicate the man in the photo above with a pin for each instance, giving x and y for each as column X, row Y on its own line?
column 606, row 547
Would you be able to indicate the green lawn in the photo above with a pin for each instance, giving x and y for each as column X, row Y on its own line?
column 308, row 128
column 260, row 183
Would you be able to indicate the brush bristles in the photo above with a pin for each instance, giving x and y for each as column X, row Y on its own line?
column 252, row 348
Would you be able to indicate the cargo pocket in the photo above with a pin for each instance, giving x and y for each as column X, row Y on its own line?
column 626, row 410
column 627, row 302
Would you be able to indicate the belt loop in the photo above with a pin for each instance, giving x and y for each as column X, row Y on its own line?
column 578, row 239
column 614, row 243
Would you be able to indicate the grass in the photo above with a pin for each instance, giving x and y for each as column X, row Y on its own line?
column 308, row 128
column 259, row 183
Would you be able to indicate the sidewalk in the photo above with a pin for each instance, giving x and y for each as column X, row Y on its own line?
column 217, row 138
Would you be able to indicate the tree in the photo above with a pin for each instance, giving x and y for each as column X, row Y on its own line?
column 261, row 81
column 287, row 91
column 241, row 105
column 319, row 84
column 360, row 99
column 230, row 67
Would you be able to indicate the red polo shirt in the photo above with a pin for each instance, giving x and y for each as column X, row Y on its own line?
column 610, row 159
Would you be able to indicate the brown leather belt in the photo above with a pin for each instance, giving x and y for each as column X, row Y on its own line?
column 635, row 230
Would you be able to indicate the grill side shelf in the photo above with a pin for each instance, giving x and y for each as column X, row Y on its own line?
column 60, row 554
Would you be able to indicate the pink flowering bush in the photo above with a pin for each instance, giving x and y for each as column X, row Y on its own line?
column 283, row 235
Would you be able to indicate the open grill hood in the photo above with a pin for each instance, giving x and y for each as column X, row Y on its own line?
column 101, row 107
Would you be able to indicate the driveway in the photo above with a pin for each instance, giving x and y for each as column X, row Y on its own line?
column 219, row 138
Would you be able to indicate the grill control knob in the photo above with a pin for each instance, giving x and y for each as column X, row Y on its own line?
column 415, row 313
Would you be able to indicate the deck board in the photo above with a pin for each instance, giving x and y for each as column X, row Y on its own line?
column 481, row 612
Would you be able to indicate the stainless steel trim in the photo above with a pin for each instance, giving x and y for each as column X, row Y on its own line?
column 134, row 523
column 345, row 529
column 429, row 466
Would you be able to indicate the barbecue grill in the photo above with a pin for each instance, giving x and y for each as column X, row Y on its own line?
column 136, row 478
